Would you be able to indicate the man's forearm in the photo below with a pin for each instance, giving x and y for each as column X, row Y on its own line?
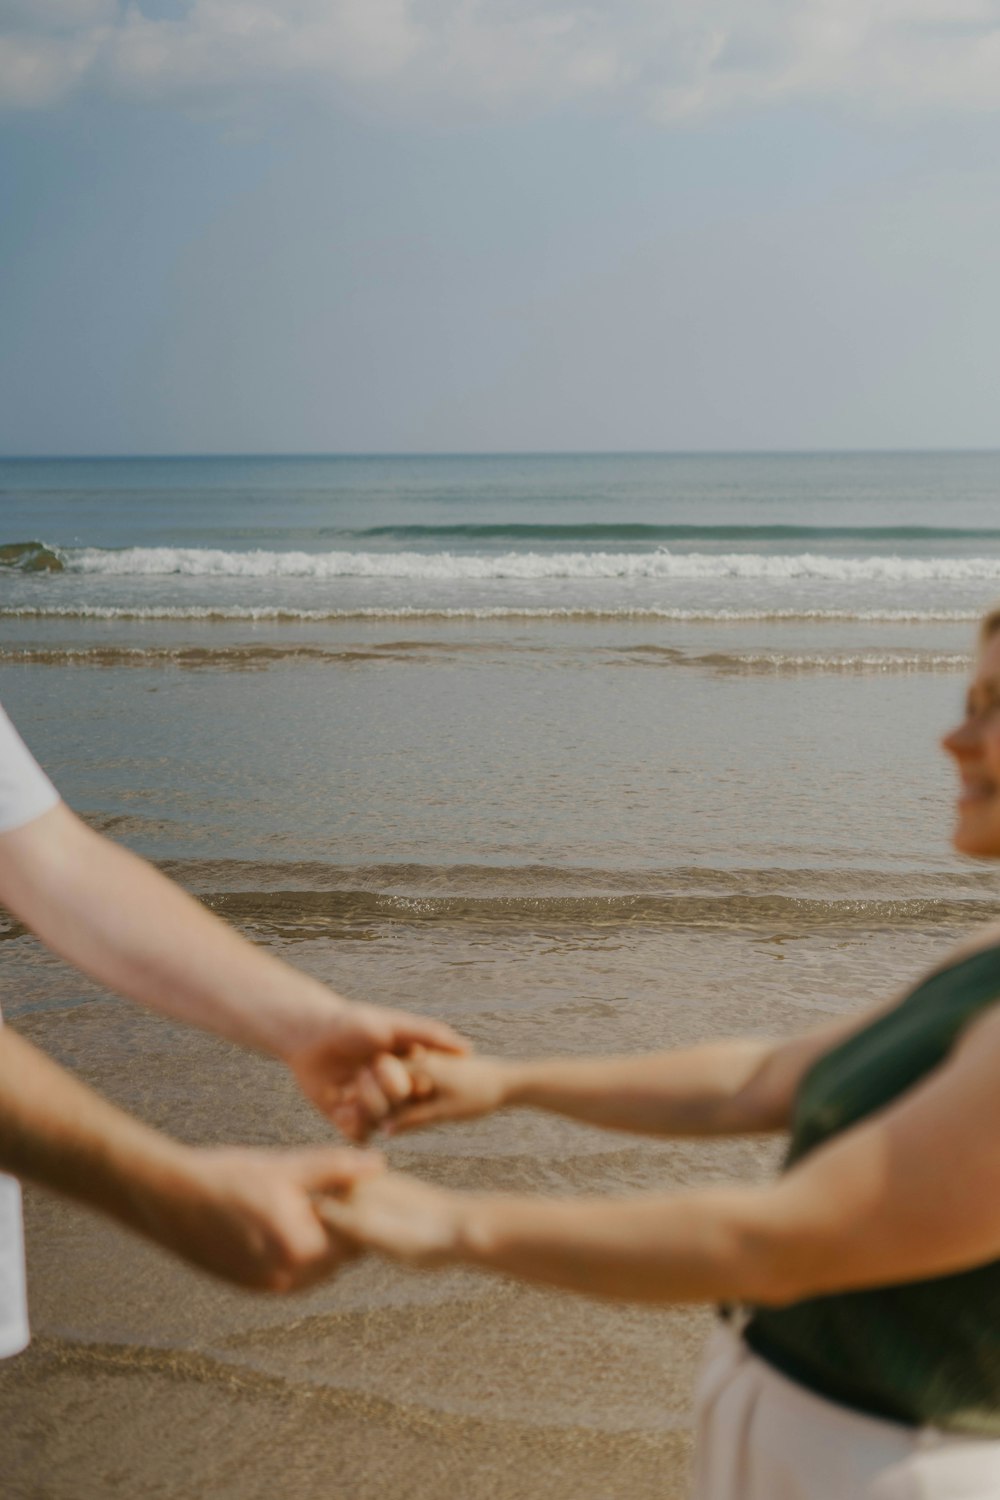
column 247, row 1216
column 113, row 915
column 57, row 1132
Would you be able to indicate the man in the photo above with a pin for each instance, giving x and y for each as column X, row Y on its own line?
column 249, row 1216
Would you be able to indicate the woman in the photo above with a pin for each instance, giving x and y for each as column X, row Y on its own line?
column 865, row 1361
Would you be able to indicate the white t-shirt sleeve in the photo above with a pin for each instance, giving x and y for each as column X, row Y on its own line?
column 25, row 793
column 25, row 790
column 14, row 1332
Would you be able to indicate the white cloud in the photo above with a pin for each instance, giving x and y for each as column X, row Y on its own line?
column 669, row 59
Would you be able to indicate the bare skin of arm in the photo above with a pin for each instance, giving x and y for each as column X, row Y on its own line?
column 741, row 1086
column 247, row 1216
column 882, row 1203
column 118, row 919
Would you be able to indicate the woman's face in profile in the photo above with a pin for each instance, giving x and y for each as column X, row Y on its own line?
column 975, row 746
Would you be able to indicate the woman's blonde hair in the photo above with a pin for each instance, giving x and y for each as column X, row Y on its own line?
column 990, row 626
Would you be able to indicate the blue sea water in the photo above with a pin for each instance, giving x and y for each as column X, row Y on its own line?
column 258, row 501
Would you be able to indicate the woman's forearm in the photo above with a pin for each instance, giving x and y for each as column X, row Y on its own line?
column 735, row 1087
column 716, row 1089
column 704, row 1246
column 697, row 1247
column 113, row 915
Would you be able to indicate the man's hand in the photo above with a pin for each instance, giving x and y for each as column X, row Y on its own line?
column 253, row 1217
column 351, row 1068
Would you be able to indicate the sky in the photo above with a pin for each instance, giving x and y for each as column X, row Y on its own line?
column 493, row 225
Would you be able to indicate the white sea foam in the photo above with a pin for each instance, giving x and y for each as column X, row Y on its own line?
column 282, row 613
column 529, row 566
column 813, row 661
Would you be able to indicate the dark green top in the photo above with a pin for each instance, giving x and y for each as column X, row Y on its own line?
column 923, row 1352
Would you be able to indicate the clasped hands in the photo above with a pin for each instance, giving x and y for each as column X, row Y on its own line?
column 388, row 1212
column 283, row 1220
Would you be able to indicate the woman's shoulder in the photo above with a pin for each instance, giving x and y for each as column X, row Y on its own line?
column 983, row 940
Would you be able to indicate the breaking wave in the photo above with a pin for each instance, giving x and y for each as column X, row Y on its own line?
column 462, row 567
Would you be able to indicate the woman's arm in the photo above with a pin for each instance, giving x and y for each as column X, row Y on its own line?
column 912, row 1192
column 737, row 1087
column 116, row 917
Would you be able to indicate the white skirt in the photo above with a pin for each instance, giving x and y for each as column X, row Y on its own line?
column 761, row 1436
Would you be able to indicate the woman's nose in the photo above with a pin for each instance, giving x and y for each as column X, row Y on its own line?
column 962, row 740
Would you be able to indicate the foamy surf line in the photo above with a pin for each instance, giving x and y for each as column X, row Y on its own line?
column 216, row 876
column 419, row 653
column 447, row 567
column 298, row 914
column 284, row 614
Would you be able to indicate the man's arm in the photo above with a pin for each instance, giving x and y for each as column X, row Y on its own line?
column 248, row 1216
column 113, row 915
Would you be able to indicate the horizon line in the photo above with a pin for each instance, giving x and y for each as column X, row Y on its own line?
column 459, row 453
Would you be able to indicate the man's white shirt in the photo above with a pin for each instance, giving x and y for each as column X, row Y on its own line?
column 25, row 793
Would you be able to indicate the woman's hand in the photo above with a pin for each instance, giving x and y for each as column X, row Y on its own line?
column 438, row 1087
column 400, row 1217
column 351, row 1069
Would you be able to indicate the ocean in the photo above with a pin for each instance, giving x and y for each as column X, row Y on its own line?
column 583, row 753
